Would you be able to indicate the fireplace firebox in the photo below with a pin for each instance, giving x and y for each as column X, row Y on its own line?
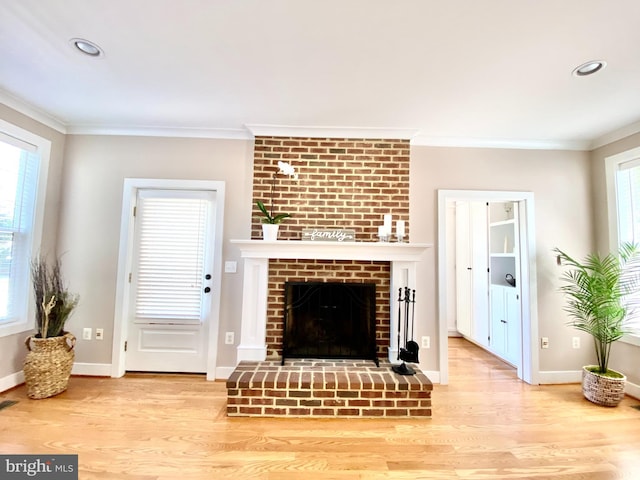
column 329, row 320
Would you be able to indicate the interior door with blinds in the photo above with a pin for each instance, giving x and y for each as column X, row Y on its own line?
column 171, row 281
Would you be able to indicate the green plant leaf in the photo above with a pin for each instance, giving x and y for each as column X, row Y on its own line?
column 267, row 216
column 598, row 290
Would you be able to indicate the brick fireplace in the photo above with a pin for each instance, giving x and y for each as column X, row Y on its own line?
column 342, row 183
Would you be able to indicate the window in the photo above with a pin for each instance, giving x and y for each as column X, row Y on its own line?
column 171, row 249
column 23, row 166
column 623, row 191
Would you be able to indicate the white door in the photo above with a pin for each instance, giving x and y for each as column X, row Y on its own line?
column 480, row 269
column 464, row 273
column 171, row 281
column 513, row 318
column 472, row 283
column 498, row 321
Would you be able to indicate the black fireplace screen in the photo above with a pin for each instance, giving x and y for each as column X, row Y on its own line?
column 329, row 320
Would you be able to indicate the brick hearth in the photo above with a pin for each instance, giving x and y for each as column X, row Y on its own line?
column 326, row 388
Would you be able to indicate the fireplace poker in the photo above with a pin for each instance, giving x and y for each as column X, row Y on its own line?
column 399, row 318
column 412, row 346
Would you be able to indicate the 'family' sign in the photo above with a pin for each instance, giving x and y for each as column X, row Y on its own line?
column 329, row 235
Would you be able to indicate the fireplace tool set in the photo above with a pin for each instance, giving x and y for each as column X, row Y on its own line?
column 408, row 353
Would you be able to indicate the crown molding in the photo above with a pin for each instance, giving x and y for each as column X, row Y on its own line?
column 143, row 131
column 330, row 132
column 413, row 135
column 614, row 136
column 461, row 142
column 253, row 130
column 32, row 111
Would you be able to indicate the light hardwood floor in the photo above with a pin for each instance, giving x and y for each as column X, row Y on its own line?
column 486, row 425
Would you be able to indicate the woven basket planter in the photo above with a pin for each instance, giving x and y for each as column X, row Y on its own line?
column 602, row 390
column 47, row 367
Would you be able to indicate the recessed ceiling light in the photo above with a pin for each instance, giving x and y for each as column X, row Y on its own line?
column 589, row 68
column 86, row 47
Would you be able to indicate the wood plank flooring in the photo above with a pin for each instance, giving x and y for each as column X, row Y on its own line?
column 486, row 425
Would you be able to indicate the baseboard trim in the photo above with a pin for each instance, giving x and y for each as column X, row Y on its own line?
column 223, row 373
column 92, row 369
column 562, row 376
column 433, row 375
column 10, row 381
column 632, row 390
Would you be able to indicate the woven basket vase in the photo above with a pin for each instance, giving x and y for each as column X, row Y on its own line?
column 602, row 390
column 47, row 367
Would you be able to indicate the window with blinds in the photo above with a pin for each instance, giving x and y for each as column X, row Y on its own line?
column 171, row 249
column 19, row 165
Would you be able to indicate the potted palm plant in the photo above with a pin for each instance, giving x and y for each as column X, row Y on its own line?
column 271, row 221
column 47, row 367
column 600, row 295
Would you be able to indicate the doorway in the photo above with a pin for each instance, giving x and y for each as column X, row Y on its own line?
column 169, row 277
column 528, row 325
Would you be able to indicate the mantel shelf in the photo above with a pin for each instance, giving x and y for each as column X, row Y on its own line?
column 300, row 249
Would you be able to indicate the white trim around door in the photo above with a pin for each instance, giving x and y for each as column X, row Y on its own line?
column 131, row 186
column 529, row 370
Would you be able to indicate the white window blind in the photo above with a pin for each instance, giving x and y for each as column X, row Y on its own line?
column 18, row 188
column 171, row 250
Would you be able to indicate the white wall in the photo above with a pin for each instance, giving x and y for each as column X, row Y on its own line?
column 561, row 184
column 95, row 167
column 94, row 171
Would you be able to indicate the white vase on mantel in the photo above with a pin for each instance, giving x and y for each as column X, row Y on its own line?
column 270, row 231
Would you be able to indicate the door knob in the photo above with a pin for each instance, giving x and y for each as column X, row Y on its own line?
column 207, row 276
column 207, row 289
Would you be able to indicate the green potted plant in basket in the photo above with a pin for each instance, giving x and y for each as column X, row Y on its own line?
column 271, row 221
column 600, row 291
column 47, row 367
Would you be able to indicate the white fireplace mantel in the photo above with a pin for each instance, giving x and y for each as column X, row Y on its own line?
column 298, row 249
column 403, row 258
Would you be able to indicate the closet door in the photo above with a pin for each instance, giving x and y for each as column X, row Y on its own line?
column 464, row 273
column 472, row 281
column 480, row 269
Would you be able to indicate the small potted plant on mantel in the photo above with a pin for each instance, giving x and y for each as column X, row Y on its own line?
column 48, row 364
column 271, row 221
column 599, row 294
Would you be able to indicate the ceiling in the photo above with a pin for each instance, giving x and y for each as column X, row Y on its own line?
column 454, row 72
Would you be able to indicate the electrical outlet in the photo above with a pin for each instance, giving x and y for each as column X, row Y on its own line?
column 229, row 338
column 544, row 342
column 86, row 334
column 426, row 342
column 230, row 267
column 99, row 333
column 575, row 342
